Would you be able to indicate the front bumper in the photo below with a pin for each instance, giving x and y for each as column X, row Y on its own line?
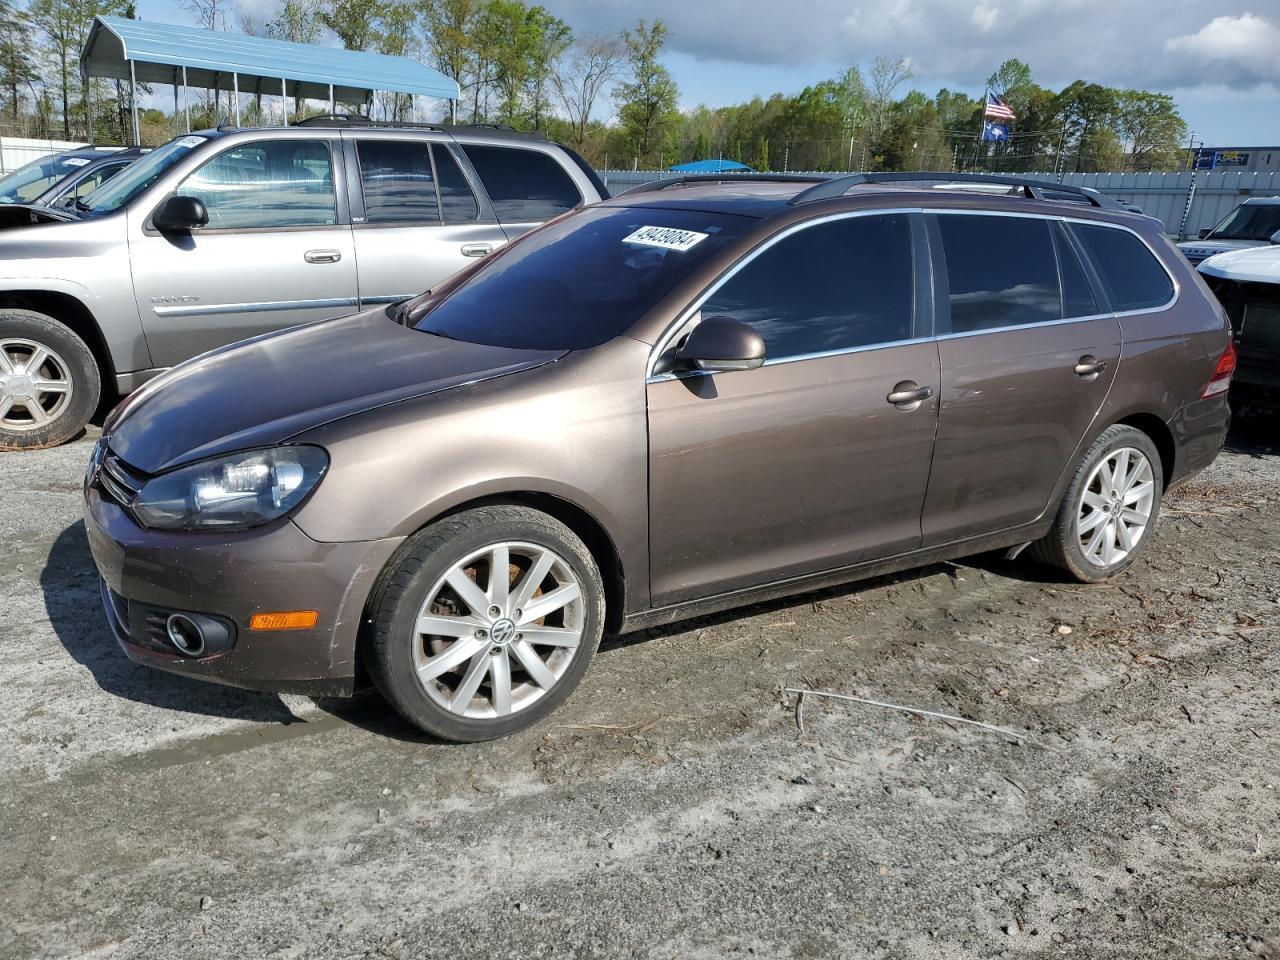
column 229, row 577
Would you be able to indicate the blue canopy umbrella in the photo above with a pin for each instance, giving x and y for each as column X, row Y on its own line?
column 712, row 166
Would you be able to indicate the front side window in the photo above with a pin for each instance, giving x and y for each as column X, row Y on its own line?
column 1133, row 277
column 271, row 184
column 831, row 286
column 525, row 186
column 1002, row 271
column 576, row 283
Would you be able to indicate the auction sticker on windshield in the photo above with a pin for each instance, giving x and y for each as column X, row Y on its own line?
column 668, row 238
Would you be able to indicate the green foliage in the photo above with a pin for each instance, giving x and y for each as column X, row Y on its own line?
column 647, row 100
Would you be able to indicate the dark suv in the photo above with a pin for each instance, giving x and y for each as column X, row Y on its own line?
column 691, row 397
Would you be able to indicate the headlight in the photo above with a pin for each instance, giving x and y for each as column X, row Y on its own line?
column 240, row 490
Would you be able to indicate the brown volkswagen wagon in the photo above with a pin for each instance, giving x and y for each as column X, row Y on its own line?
column 690, row 397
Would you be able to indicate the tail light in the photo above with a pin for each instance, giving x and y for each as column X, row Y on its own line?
column 1221, row 379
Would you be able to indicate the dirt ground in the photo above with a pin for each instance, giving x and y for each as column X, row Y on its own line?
column 671, row 809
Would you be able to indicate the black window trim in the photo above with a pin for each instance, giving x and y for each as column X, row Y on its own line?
column 922, row 319
column 943, row 318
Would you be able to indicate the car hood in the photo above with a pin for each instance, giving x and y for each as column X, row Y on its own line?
column 1258, row 264
column 1199, row 249
column 263, row 391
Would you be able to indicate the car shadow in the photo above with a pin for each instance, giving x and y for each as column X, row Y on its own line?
column 1254, row 433
column 72, row 600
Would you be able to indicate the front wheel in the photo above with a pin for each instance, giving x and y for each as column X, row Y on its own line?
column 486, row 623
column 1110, row 508
column 49, row 381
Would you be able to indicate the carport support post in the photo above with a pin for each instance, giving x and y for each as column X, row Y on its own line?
column 186, row 98
column 284, row 104
column 235, row 91
column 133, row 103
column 333, row 104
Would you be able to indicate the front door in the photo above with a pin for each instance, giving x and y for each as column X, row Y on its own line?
column 1028, row 356
column 803, row 464
column 274, row 253
column 416, row 219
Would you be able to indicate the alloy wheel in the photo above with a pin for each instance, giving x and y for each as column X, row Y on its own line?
column 498, row 630
column 35, row 385
column 1115, row 508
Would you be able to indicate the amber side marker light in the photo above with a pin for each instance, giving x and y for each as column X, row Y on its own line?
column 290, row 620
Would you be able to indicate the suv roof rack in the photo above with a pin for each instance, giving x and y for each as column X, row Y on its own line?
column 653, row 186
column 1032, row 189
column 359, row 120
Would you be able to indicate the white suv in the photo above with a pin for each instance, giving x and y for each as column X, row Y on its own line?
column 1255, row 223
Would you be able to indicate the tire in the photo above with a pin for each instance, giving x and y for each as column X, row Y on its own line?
column 1111, row 518
column 53, row 407
column 458, row 695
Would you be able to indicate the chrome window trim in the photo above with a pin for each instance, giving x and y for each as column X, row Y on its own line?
column 213, row 309
column 678, row 327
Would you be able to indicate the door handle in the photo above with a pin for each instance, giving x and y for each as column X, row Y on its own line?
column 907, row 395
column 1088, row 367
column 476, row 249
column 322, row 256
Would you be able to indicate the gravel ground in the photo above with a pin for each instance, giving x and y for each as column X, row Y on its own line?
column 672, row 809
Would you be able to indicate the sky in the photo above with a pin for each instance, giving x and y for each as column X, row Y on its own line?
column 1220, row 60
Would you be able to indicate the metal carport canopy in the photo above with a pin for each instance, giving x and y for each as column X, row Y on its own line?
column 152, row 52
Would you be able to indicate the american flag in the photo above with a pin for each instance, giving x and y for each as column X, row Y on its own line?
column 996, row 107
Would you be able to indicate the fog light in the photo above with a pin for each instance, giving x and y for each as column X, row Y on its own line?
column 287, row 620
column 185, row 634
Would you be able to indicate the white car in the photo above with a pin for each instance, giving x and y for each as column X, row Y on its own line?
column 1247, row 282
column 1255, row 223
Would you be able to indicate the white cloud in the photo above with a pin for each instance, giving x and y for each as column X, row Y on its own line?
column 1245, row 47
column 985, row 17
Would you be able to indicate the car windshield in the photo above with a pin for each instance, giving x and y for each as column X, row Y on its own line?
column 119, row 190
column 29, row 181
column 578, row 282
column 1249, row 221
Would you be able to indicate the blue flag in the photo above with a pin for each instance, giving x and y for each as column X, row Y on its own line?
column 993, row 131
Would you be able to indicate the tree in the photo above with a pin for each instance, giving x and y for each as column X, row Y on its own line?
column 298, row 22
column 60, row 21
column 1150, row 123
column 354, row 21
column 1086, row 112
column 210, row 14
column 762, row 155
column 16, row 69
column 886, row 76
column 648, row 98
column 581, row 76
column 449, row 28
column 549, row 38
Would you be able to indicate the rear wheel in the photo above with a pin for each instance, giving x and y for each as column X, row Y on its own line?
column 1110, row 508
column 49, row 381
column 487, row 623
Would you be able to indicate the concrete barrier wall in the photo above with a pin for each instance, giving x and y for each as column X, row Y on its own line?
column 16, row 151
column 1160, row 195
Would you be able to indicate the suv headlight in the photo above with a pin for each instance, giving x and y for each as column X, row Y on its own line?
column 239, row 490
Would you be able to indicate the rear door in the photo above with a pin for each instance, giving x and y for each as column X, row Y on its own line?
column 415, row 216
column 276, row 251
column 1028, row 355
column 803, row 464
column 526, row 185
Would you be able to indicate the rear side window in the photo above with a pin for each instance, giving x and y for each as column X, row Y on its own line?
column 275, row 183
column 832, row 286
column 399, row 186
column 526, row 186
column 1133, row 277
column 1002, row 271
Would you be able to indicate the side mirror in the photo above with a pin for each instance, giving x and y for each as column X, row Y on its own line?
column 1205, row 231
column 180, row 213
column 721, row 344
column 1275, row 237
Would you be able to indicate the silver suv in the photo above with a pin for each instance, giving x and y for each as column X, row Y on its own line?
column 226, row 234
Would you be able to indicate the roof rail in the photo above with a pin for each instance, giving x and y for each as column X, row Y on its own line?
column 358, row 120
column 1032, row 189
column 693, row 178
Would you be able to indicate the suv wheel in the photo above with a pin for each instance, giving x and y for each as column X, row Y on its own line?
column 1110, row 508
column 49, row 382
column 486, row 623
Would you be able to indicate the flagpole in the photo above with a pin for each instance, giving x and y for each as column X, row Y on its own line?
column 982, row 126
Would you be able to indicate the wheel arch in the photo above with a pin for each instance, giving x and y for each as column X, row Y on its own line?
column 1160, row 435
column 72, row 313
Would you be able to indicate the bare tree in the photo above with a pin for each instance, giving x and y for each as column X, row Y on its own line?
column 886, row 76
column 582, row 75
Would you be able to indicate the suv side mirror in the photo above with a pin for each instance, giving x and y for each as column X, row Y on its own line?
column 1205, row 231
column 1275, row 237
column 721, row 344
column 180, row 213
